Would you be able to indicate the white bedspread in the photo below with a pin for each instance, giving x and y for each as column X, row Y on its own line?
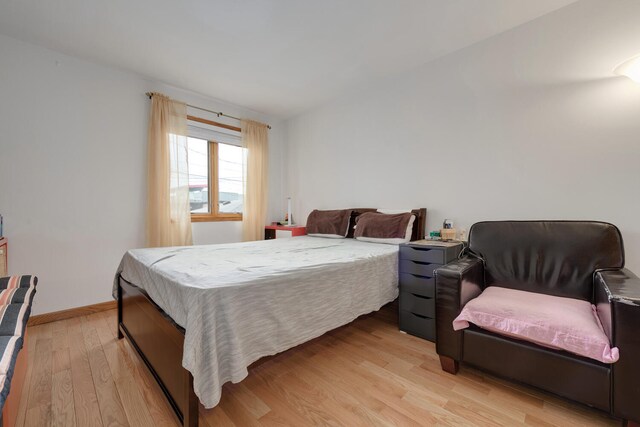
column 239, row 302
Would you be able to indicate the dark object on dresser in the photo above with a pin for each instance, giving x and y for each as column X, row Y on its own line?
column 418, row 262
column 575, row 259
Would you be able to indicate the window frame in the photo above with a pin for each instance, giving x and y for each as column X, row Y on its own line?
column 214, row 213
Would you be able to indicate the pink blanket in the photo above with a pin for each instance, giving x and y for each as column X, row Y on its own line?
column 555, row 322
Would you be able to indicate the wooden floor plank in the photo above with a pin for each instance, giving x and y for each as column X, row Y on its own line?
column 111, row 410
column 251, row 403
column 215, row 417
column 341, row 395
column 38, row 406
column 22, row 408
column 281, row 411
column 61, row 354
column 38, row 416
column 63, row 412
column 363, row 374
column 84, row 392
column 40, row 392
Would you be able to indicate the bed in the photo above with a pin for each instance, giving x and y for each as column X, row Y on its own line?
column 198, row 316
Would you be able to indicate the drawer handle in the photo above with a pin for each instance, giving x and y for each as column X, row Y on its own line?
column 420, row 296
column 419, row 276
column 422, row 262
column 420, row 316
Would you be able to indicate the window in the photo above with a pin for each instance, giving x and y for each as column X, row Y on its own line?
column 216, row 174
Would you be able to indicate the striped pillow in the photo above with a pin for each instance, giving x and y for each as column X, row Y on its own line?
column 18, row 282
column 9, row 348
column 16, row 296
column 13, row 319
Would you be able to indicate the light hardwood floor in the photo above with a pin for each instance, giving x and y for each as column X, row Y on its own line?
column 363, row 374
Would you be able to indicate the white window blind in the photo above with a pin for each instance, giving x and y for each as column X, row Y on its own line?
column 213, row 133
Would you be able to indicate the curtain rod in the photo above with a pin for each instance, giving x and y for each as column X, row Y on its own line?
column 217, row 113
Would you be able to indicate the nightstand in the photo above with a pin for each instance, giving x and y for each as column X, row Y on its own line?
column 418, row 261
column 273, row 231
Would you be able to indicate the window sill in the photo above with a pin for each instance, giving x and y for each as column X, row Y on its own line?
column 216, row 218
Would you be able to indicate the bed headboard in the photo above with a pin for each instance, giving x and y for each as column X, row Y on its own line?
column 419, row 225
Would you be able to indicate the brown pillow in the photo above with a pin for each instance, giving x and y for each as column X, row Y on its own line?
column 355, row 213
column 329, row 223
column 382, row 226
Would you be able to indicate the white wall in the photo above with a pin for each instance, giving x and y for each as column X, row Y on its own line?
column 72, row 170
column 529, row 124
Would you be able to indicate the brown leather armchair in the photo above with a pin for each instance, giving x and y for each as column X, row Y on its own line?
column 576, row 259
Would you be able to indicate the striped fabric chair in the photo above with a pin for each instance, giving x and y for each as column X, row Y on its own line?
column 16, row 296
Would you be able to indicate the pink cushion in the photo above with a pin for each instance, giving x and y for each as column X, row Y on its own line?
column 555, row 322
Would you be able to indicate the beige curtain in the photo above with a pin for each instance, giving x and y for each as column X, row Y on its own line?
column 168, row 213
column 255, row 139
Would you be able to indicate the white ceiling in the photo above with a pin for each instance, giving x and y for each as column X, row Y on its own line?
column 274, row 56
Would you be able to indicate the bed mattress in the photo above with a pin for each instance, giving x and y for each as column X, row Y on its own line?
column 243, row 301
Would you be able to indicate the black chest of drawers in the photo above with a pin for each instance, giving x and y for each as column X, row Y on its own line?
column 418, row 261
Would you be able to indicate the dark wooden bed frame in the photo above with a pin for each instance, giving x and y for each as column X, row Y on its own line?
column 159, row 341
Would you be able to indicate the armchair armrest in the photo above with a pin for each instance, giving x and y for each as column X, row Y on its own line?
column 617, row 298
column 456, row 284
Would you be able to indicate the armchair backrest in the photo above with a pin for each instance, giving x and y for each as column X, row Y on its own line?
column 550, row 257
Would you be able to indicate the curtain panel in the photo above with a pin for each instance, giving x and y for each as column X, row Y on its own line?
column 168, row 212
column 255, row 139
